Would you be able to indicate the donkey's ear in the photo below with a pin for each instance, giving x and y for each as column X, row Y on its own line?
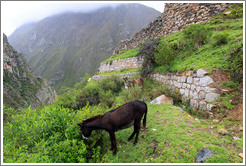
column 80, row 124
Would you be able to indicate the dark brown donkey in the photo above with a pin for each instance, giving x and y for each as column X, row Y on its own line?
column 119, row 118
column 131, row 83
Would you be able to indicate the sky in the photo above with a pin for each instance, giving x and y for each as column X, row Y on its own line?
column 17, row 13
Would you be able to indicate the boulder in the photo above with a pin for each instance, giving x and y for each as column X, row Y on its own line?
column 162, row 100
column 201, row 73
column 203, row 155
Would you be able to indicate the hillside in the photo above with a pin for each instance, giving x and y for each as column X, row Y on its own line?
column 21, row 88
column 62, row 48
column 200, row 67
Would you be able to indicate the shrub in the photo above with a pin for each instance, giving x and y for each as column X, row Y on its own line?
column 147, row 51
column 236, row 11
column 48, row 135
column 107, row 98
column 198, row 33
column 88, row 94
column 221, row 38
column 235, row 68
column 132, row 93
column 164, row 54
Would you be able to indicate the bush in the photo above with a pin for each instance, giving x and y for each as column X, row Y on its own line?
column 235, row 68
column 131, row 94
column 236, row 11
column 221, row 38
column 164, row 54
column 49, row 135
column 107, row 98
column 147, row 51
column 198, row 33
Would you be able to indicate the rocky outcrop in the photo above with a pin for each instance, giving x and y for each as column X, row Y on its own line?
column 175, row 17
column 20, row 87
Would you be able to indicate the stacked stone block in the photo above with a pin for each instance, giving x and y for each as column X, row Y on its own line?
column 176, row 16
column 195, row 86
column 116, row 65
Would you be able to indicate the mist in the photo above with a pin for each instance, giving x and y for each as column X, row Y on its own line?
column 17, row 13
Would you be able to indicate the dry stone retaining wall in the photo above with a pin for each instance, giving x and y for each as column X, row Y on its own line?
column 129, row 75
column 196, row 86
column 175, row 17
column 116, row 65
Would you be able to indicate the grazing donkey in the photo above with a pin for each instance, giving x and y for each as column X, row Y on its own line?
column 131, row 83
column 119, row 118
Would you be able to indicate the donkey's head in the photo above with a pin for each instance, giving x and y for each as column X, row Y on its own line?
column 86, row 131
column 126, row 82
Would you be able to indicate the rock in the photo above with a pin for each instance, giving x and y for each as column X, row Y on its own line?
column 183, row 79
column 197, row 120
column 227, row 13
column 205, row 81
column 201, row 73
column 196, row 81
column 211, row 97
column 210, row 106
column 223, row 131
column 202, row 95
column 216, row 121
column 203, row 155
column 203, row 105
column 189, row 80
column 162, row 100
column 236, row 138
column 240, row 155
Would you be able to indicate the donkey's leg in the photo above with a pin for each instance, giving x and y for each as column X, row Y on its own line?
column 113, row 142
column 134, row 132
column 137, row 131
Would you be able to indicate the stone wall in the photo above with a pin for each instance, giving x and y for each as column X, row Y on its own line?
column 116, row 65
column 175, row 17
column 129, row 75
column 197, row 86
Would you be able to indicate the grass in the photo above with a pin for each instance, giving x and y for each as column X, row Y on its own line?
column 120, row 71
column 125, row 54
column 209, row 56
column 173, row 136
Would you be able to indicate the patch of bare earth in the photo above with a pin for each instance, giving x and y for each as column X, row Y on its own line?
column 221, row 76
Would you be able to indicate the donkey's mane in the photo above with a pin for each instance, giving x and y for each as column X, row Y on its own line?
column 92, row 118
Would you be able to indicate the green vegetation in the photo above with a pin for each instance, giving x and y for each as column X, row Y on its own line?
column 119, row 72
column 173, row 136
column 125, row 54
column 50, row 134
column 216, row 43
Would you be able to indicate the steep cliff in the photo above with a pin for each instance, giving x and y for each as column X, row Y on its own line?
column 21, row 88
column 62, row 48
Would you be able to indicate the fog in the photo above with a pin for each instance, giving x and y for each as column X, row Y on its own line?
column 16, row 13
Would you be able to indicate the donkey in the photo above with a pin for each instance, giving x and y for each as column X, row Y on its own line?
column 131, row 83
column 117, row 119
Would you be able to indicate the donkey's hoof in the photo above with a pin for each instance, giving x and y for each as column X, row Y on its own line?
column 114, row 153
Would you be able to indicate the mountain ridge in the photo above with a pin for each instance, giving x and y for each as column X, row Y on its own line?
column 64, row 47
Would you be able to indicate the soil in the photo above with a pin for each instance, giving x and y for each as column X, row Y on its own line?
column 221, row 76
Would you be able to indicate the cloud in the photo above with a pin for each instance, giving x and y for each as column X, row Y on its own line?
column 16, row 13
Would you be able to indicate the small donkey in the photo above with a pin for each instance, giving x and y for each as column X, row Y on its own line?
column 119, row 118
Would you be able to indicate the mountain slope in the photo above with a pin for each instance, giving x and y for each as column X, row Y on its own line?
column 21, row 88
column 64, row 47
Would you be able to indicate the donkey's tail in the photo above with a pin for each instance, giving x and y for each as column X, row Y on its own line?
column 145, row 118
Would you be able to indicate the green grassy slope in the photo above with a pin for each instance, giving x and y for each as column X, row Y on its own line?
column 173, row 136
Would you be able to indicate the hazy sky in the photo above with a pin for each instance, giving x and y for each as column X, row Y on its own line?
column 16, row 13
